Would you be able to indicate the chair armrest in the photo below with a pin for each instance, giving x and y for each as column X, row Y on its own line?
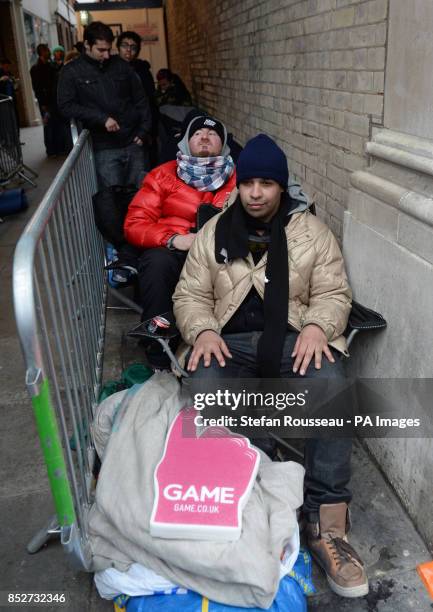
column 363, row 318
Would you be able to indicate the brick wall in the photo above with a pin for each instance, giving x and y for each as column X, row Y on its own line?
column 309, row 73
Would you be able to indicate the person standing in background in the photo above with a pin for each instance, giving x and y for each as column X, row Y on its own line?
column 129, row 46
column 8, row 83
column 58, row 57
column 57, row 134
column 171, row 89
column 105, row 94
column 43, row 81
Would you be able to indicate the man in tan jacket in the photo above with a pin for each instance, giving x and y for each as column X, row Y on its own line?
column 264, row 293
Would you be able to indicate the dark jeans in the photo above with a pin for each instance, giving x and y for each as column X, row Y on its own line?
column 158, row 274
column 327, row 461
column 124, row 166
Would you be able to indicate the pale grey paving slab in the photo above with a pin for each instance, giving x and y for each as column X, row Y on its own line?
column 22, row 468
column 47, row 570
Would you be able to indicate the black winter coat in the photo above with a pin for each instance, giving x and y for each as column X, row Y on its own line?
column 92, row 92
column 142, row 68
column 44, row 82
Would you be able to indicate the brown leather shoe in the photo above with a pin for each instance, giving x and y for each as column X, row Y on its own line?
column 328, row 544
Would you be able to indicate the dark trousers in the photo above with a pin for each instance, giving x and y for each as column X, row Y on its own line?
column 158, row 274
column 57, row 136
column 327, row 461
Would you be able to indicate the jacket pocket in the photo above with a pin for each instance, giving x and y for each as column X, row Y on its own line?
column 83, row 82
column 121, row 84
column 89, row 91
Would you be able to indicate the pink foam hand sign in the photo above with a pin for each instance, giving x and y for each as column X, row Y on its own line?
column 202, row 483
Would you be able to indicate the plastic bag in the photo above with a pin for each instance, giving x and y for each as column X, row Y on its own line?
column 137, row 581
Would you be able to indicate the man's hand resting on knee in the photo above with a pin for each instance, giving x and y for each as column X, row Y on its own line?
column 310, row 343
column 208, row 343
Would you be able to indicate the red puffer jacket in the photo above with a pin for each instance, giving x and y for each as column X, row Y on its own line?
column 165, row 205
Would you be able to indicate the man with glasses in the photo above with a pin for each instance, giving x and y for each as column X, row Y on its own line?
column 105, row 94
column 129, row 46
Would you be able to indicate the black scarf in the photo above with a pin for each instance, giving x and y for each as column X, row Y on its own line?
column 231, row 242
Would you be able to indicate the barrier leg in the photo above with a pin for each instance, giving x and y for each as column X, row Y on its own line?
column 26, row 178
column 43, row 535
column 130, row 304
column 31, row 171
column 53, row 454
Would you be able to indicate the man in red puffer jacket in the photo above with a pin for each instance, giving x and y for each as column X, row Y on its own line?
column 162, row 216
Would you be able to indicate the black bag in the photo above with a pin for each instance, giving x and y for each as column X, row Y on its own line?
column 110, row 206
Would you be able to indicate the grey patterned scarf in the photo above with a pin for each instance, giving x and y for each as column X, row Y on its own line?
column 204, row 173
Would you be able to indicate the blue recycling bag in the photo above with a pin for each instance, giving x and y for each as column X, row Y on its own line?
column 291, row 596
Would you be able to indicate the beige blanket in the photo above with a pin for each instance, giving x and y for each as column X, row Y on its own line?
column 242, row 573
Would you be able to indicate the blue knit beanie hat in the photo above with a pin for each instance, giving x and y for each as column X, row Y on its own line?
column 262, row 158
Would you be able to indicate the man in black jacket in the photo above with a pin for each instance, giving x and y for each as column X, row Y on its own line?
column 106, row 95
column 57, row 136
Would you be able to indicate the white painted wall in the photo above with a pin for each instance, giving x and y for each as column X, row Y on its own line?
column 39, row 8
column 65, row 10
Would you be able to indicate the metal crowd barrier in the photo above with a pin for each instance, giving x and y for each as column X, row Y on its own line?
column 60, row 294
column 11, row 157
column 76, row 129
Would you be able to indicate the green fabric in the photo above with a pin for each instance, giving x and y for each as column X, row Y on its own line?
column 134, row 374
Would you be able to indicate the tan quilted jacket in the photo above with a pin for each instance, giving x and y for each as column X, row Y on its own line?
column 208, row 293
